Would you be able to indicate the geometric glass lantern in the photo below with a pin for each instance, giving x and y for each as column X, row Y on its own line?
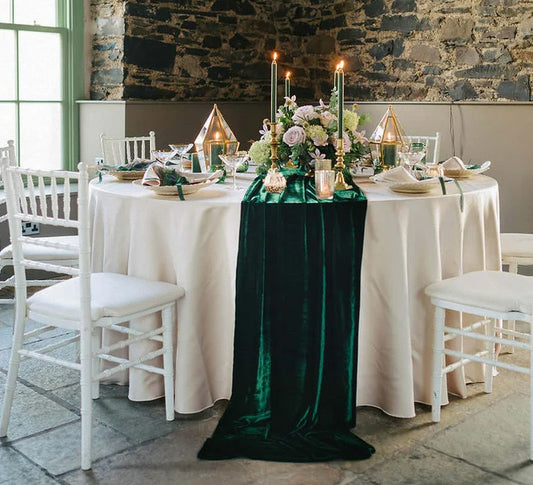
column 215, row 131
column 387, row 141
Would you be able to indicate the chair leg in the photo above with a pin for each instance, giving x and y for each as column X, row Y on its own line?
column 86, row 397
column 95, row 363
column 14, row 365
column 489, row 367
column 168, row 318
column 511, row 325
column 437, row 363
column 531, row 398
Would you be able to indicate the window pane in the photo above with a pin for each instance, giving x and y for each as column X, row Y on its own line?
column 5, row 11
column 8, row 123
column 36, row 12
column 40, row 135
column 39, row 66
column 7, row 61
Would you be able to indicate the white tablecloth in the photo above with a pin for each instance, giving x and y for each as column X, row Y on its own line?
column 410, row 241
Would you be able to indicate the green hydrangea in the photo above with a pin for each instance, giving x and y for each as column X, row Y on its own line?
column 317, row 134
column 260, row 152
column 351, row 120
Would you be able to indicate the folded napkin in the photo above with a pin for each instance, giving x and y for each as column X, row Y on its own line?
column 135, row 164
column 455, row 163
column 399, row 175
column 158, row 174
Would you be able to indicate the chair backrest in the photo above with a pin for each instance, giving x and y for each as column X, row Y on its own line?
column 432, row 143
column 29, row 199
column 9, row 152
column 121, row 151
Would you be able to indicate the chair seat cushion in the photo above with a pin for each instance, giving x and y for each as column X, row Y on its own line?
column 112, row 295
column 517, row 245
column 43, row 253
column 494, row 290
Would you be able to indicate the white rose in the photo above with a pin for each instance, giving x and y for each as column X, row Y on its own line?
column 294, row 136
column 304, row 113
column 326, row 117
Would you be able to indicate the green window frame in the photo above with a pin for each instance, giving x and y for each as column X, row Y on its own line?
column 70, row 25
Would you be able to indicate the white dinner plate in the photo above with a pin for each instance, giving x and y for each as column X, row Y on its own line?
column 172, row 190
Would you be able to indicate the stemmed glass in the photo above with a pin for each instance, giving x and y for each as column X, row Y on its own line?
column 234, row 161
column 181, row 149
column 411, row 158
column 163, row 156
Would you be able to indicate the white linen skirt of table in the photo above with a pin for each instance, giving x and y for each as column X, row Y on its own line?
column 410, row 242
column 193, row 243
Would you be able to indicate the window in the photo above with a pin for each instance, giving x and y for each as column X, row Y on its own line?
column 40, row 80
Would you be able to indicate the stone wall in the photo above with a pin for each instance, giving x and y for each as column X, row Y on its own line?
column 395, row 49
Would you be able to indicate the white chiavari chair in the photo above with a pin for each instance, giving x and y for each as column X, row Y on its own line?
column 39, row 253
column 121, row 151
column 492, row 296
column 432, row 145
column 85, row 303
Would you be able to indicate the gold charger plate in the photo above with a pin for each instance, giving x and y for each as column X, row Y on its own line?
column 172, row 190
column 127, row 174
column 414, row 188
column 466, row 173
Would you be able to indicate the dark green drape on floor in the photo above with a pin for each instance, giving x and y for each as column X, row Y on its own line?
column 296, row 328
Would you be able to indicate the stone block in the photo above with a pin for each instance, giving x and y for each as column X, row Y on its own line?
column 333, row 23
column 404, row 6
column 212, row 42
column 424, row 53
column 519, row 90
column 304, row 29
column 487, row 71
column 462, row 90
column 321, row 44
column 374, row 8
column 107, row 76
column 431, row 70
column 218, row 73
column 17, row 469
column 467, row 55
column 504, row 57
column 402, row 64
column 350, row 34
column 381, row 50
column 525, row 28
column 33, row 413
column 400, row 23
column 456, row 29
column 110, row 26
column 58, row 451
column 149, row 54
column 240, row 7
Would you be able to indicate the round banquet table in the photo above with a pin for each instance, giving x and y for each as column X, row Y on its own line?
column 410, row 241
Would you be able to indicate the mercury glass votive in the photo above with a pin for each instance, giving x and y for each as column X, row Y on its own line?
column 325, row 183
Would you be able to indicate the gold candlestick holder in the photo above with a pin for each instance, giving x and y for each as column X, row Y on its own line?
column 274, row 180
column 340, row 183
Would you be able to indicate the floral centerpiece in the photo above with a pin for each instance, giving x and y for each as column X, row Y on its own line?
column 307, row 133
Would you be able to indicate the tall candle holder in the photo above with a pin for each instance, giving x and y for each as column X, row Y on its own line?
column 274, row 180
column 340, row 183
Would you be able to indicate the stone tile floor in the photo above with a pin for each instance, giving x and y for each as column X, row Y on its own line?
column 483, row 439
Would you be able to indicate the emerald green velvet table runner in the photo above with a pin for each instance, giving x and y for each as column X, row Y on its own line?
column 296, row 328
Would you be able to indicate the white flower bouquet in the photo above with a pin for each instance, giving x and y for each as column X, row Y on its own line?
column 307, row 133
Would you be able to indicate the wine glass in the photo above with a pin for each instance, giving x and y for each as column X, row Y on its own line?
column 163, row 156
column 181, row 149
column 411, row 158
column 234, row 161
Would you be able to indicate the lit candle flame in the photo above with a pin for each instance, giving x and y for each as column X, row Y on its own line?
column 288, row 74
column 274, row 56
column 217, row 136
column 340, row 65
